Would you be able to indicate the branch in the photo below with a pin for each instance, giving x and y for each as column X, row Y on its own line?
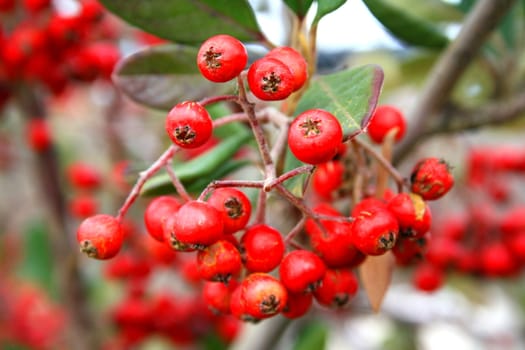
column 480, row 22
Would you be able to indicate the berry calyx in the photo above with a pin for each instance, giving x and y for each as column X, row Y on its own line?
column 294, row 61
column 100, row 236
column 234, row 206
column 374, row 232
column 189, row 125
column 314, row 136
column 263, row 295
column 384, row 119
column 301, row 271
column 270, row 79
column 219, row 262
column 262, row 248
column 431, row 178
column 195, row 225
column 221, row 58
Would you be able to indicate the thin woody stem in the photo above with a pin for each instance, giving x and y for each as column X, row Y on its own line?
column 288, row 175
column 215, row 99
column 181, row 190
column 144, row 176
column 398, row 178
column 228, row 183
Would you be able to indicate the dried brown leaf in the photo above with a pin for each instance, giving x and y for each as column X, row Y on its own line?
column 376, row 275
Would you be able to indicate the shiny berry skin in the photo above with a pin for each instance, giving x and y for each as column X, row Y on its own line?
column 384, row 119
column 189, row 125
column 217, row 295
column 428, row 278
column 339, row 286
column 39, row 135
column 497, row 260
column 219, row 262
column 221, row 58
column 237, row 307
column 262, row 248
column 301, row 271
column 334, row 244
column 294, row 61
column 270, row 79
column 412, row 213
column 314, row 136
column 263, row 295
column 367, row 204
column 84, row 176
column 431, row 178
column 156, row 213
column 298, row 305
column 327, row 178
column 374, row 232
column 196, row 224
column 234, row 206
column 100, row 236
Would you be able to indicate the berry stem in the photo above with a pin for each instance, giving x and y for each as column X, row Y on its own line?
column 143, row 177
column 288, row 175
column 215, row 99
column 383, row 162
column 295, row 230
column 228, row 183
column 181, row 190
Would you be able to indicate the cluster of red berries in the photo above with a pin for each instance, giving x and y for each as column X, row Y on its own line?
column 249, row 269
column 487, row 238
column 39, row 45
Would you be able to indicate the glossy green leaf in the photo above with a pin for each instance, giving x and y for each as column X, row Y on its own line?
column 312, row 337
column 351, row 95
column 430, row 10
column 189, row 21
column 406, row 27
column 164, row 75
column 209, row 163
column 324, row 7
column 299, row 7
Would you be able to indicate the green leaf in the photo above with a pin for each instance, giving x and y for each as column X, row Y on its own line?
column 300, row 7
column 38, row 263
column 351, row 95
column 189, row 21
column 406, row 27
column 312, row 337
column 164, row 75
column 324, row 7
column 209, row 164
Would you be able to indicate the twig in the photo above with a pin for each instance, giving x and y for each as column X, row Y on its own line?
column 181, row 190
column 229, row 183
column 480, row 22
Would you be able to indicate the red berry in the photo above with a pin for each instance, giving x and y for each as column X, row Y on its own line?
column 428, row 278
column 7, row 5
column 327, row 178
column 443, row 251
column 128, row 265
column 497, row 260
column 92, row 11
column 270, row 79
column 294, row 61
column 84, row 205
column 237, row 307
column 219, row 262
column 384, row 119
column 513, row 220
column 217, row 295
column 431, row 178
column 262, row 247
column 35, row 6
column 337, row 288
column 367, row 204
column 298, row 305
column 228, row 328
column 374, row 232
column 39, row 134
column 301, row 271
column 100, row 236
column 189, row 125
column 84, row 176
column 412, row 213
column 159, row 252
column 409, row 251
column 221, row 58
column 234, row 206
column 334, row 243
column 156, row 214
column 196, row 224
column 263, row 295
column 314, row 136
